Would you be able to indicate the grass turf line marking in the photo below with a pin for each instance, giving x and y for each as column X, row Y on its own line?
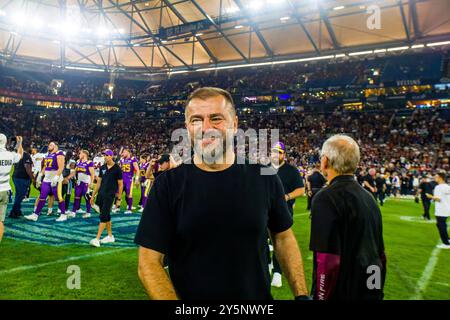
column 74, row 258
column 426, row 274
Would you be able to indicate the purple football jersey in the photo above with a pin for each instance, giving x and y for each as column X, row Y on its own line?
column 51, row 162
column 143, row 169
column 83, row 166
column 127, row 166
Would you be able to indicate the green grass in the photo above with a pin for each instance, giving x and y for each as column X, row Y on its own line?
column 114, row 275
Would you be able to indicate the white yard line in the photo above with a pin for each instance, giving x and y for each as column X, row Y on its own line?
column 301, row 214
column 426, row 274
column 74, row 258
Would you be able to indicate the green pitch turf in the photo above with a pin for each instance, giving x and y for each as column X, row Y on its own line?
column 415, row 270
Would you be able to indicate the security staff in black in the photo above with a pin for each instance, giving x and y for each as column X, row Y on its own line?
column 349, row 262
column 315, row 182
column 293, row 188
column 425, row 187
column 22, row 177
column 211, row 217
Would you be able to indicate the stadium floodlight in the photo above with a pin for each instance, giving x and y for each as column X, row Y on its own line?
column 102, row 32
column 18, row 19
column 398, row 48
column 37, row 23
column 255, row 5
column 341, row 55
column 285, row 18
column 84, row 69
column 359, row 53
column 163, row 41
column 238, row 26
column 275, row 2
column 338, row 8
column 434, row 44
column 198, row 34
column 417, row 46
column 231, row 10
column 379, row 51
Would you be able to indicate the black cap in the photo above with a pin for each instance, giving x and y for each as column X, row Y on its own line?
column 164, row 158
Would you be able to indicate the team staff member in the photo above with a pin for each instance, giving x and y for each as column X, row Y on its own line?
column 380, row 184
column 441, row 198
column 424, row 188
column 346, row 230
column 7, row 159
column 293, row 188
column 109, row 185
column 22, row 178
column 211, row 217
column 315, row 181
column 369, row 182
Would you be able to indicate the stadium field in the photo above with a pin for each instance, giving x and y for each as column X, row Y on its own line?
column 35, row 257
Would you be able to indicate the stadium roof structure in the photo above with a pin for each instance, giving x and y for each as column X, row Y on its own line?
column 157, row 36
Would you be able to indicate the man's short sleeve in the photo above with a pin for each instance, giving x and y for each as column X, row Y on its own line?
column 297, row 181
column 156, row 228
column 437, row 192
column 324, row 225
column 280, row 218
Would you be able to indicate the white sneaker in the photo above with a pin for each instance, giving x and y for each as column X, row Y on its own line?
column 80, row 211
column 270, row 267
column 443, row 246
column 59, row 211
column 141, row 210
column 49, row 213
column 61, row 218
column 115, row 210
column 86, row 215
column 276, row 280
column 26, row 200
column 128, row 212
column 94, row 243
column 71, row 214
column 32, row 217
column 108, row 239
column 133, row 208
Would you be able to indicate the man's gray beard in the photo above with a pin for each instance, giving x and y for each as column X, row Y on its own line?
column 214, row 156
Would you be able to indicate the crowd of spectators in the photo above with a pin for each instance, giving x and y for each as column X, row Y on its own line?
column 291, row 77
column 412, row 143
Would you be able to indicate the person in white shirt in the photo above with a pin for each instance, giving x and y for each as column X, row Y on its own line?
column 7, row 160
column 441, row 198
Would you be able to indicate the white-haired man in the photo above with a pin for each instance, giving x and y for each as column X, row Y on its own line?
column 7, row 160
column 346, row 230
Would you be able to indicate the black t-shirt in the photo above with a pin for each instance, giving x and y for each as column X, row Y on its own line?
column 110, row 178
column 213, row 227
column 370, row 180
column 346, row 221
column 19, row 168
column 380, row 182
column 425, row 187
column 317, row 180
column 291, row 180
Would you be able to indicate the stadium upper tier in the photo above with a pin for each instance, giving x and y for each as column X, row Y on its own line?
column 383, row 72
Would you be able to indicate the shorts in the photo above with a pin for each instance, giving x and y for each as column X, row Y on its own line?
column 105, row 203
column 4, row 197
